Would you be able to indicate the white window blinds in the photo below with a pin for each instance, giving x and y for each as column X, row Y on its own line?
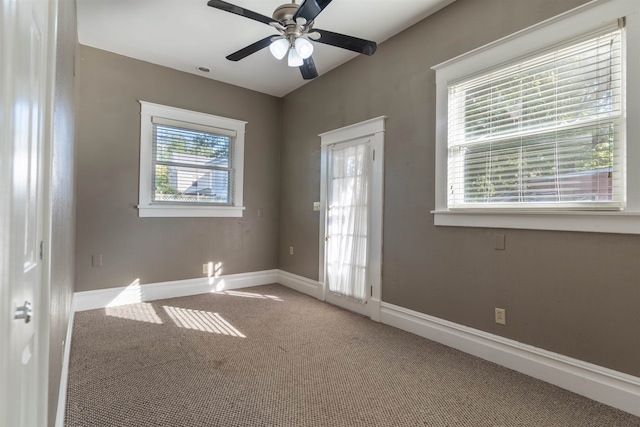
column 546, row 132
column 191, row 163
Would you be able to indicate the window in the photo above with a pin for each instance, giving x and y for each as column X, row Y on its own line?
column 532, row 129
column 191, row 164
column 542, row 133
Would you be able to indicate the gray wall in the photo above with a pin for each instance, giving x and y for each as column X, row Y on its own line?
column 572, row 293
column 108, row 144
column 62, row 193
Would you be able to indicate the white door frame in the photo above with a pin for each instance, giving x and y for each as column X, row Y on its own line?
column 372, row 129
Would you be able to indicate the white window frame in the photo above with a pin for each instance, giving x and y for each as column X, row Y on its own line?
column 146, row 206
column 556, row 31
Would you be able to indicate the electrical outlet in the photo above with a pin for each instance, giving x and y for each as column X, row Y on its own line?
column 290, row 250
column 501, row 316
column 205, row 268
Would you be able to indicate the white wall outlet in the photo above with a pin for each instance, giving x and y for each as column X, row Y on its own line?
column 316, row 206
column 501, row 316
column 290, row 250
column 205, row 268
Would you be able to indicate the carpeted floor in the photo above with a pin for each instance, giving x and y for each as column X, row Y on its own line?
column 269, row 356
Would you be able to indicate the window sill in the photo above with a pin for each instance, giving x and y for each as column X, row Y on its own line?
column 160, row 211
column 584, row 221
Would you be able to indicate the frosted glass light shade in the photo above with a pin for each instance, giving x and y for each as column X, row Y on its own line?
column 304, row 48
column 294, row 59
column 279, row 48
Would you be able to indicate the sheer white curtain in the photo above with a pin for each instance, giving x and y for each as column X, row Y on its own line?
column 348, row 220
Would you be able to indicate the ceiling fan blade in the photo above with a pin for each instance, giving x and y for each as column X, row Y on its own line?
column 355, row 44
column 308, row 69
column 309, row 9
column 228, row 7
column 252, row 48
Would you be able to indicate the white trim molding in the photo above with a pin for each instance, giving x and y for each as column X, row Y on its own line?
column 589, row 221
column 191, row 211
column 604, row 385
column 136, row 292
column 301, row 284
column 358, row 130
column 316, row 289
column 64, row 373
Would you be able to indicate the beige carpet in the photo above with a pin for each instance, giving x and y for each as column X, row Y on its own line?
column 269, row 356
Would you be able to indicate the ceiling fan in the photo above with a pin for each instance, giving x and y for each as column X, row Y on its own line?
column 295, row 25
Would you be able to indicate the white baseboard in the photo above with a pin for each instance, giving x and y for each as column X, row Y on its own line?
column 604, row 385
column 135, row 292
column 375, row 305
column 64, row 374
column 300, row 284
column 314, row 289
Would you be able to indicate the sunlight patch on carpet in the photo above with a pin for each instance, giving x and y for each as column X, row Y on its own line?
column 248, row 295
column 141, row 312
column 204, row 321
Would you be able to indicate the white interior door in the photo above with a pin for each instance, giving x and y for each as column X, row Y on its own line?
column 348, row 225
column 24, row 100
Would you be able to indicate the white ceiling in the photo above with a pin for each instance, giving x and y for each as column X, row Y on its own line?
column 186, row 34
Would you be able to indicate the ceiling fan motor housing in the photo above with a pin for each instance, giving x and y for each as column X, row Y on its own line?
column 284, row 13
column 291, row 29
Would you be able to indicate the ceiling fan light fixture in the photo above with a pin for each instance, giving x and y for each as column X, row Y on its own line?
column 294, row 60
column 294, row 24
column 304, row 48
column 279, row 48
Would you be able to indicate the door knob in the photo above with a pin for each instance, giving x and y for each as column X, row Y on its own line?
column 24, row 312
